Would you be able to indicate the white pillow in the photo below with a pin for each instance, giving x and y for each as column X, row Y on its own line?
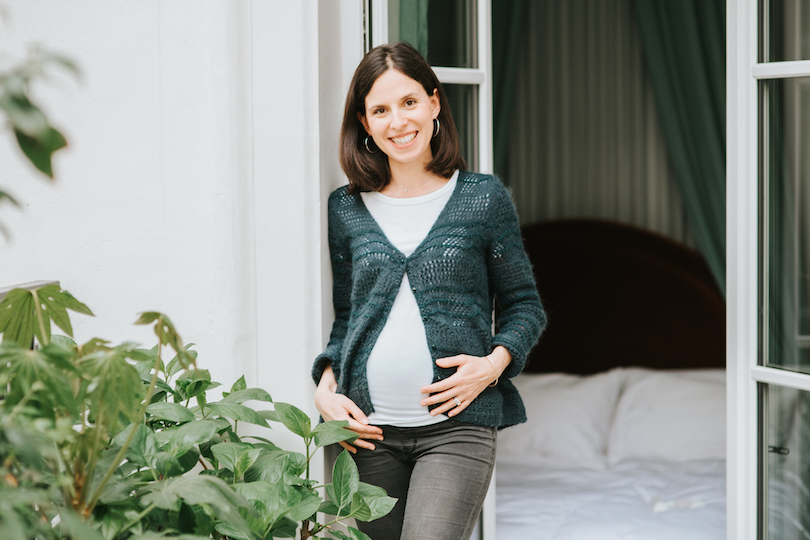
column 677, row 415
column 569, row 417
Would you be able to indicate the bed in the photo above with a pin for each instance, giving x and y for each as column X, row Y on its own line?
column 625, row 394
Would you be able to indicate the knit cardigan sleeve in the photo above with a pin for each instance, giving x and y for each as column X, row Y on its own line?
column 341, row 258
column 522, row 318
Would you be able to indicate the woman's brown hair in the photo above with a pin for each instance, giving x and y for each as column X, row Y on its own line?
column 370, row 172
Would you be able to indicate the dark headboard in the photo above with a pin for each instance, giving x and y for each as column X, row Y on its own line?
column 617, row 295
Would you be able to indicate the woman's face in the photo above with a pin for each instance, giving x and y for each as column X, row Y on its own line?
column 399, row 117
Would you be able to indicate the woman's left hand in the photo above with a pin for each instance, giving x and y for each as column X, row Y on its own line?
column 474, row 374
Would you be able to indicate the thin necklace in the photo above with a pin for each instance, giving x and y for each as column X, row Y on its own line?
column 406, row 190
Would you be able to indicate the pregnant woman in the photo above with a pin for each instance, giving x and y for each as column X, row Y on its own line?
column 421, row 252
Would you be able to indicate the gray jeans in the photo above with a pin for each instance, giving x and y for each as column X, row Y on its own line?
column 439, row 473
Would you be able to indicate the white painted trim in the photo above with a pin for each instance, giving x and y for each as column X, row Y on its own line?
column 781, row 377
column 485, row 136
column 486, row 162
column 450, row 75
column 781, row 70
column 741, row 270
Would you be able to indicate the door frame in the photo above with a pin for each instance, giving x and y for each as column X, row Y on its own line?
column 744, row 161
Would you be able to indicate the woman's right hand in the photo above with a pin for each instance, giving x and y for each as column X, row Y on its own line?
column 334, row 406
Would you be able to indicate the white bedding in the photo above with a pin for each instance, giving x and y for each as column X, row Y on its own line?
column 630, row 454
column 639, row 499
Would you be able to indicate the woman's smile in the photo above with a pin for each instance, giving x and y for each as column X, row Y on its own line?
column 403, row 141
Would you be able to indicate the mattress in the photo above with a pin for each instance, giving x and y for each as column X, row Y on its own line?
column 636, row 499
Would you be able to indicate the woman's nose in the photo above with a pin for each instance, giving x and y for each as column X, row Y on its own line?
column 399, row 120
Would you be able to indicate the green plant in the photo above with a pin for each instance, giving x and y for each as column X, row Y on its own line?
column 36, row 137
column 112, row 442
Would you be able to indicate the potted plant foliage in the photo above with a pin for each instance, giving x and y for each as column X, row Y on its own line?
column 115, row 442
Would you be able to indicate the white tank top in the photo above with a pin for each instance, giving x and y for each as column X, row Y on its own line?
column 400, row 364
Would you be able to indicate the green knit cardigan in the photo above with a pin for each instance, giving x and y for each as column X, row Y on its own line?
column 472, row 256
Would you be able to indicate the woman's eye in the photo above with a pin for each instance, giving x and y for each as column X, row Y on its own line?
column 410, row 102
column 379, row 111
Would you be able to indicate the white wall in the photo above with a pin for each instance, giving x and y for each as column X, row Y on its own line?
column 202, row 149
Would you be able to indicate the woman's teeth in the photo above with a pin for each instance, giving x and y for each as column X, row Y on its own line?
column 403, row 140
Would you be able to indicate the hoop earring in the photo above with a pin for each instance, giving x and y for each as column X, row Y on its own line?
column 436, row 126
column 366, row 143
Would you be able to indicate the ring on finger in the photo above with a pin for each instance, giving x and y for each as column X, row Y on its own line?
column 458, row 403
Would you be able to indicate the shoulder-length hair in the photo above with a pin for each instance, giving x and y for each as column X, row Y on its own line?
column 370, row 172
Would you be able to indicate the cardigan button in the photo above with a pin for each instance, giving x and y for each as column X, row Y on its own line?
column 413, row 289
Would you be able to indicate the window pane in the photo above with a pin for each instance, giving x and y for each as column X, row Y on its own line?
column 447, row 28
column 786, row 211
column 788, row 25
column 451, row 33
column 787, row 465
column 463, row 100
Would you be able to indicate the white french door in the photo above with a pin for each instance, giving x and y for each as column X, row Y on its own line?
column 768, row 281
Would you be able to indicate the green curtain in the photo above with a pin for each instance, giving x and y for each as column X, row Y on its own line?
column 413, row 24
column 684, row 50
column 508, row 22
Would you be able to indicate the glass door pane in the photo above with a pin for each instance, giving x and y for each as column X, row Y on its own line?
column 442, row 30
column 463, row 99
column 788, row 22
column 452, row 31
column 786, row 213
column 786, row 465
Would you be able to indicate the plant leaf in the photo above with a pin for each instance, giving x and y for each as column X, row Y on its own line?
column 144, row 444
column 18, row 322
column 237, row 412
column 7, row 197
column 210, row 492
column 269, row 415
column 115, row 386
column 175, row 364
column 278, row 503
column 245, row 460
column 331, row 432
column 120, row 490
column 77, row 529
column 240, row 384
column 294, row 419
column 377, row 500
column 18, row 319
column 345, row 481
column 246, row 394
column 227, row 454
column 184, row 437
column 27, row 368
column 173, row 412
column 379, row 506
column 278, row 466
column 269, row 466
column 56, row 302
column 354, row 534
column 193, row 383
column 369, row 490
column 305, row 507
column 359, row 509
column 167, row 335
